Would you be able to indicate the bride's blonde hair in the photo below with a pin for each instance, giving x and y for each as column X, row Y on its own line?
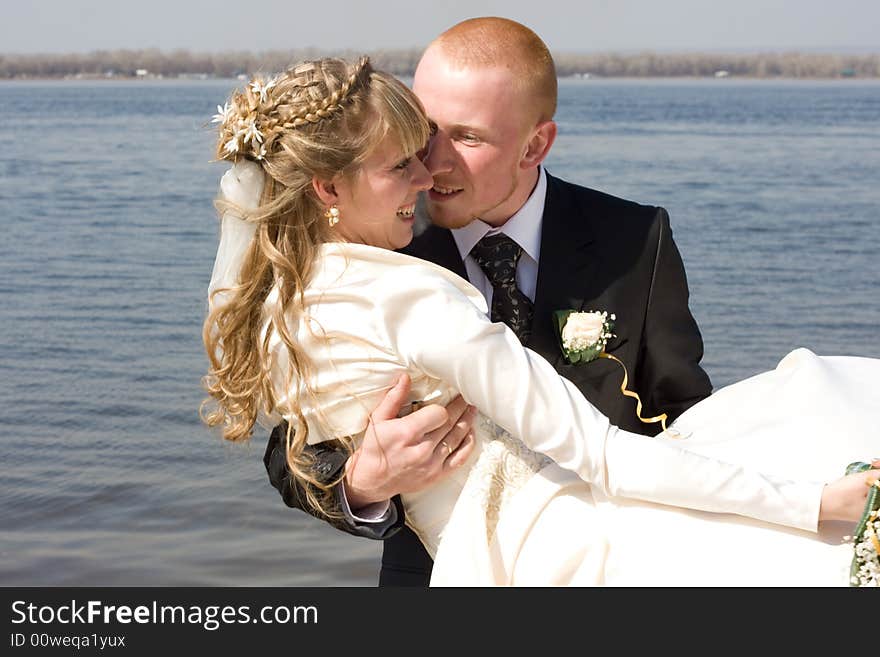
column 318, row 119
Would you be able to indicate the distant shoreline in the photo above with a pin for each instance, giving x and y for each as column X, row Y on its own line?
column 562, row 79
column 155, row 64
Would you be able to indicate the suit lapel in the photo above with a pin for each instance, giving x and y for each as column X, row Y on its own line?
column 569, row 259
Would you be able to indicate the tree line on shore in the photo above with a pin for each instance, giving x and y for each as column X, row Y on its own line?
column 182, row 63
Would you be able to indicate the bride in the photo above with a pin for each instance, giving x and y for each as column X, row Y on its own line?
column 313, row 316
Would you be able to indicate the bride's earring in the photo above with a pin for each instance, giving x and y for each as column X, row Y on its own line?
column 332, row 215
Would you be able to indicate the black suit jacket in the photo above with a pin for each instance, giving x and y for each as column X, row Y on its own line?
column 600, row 253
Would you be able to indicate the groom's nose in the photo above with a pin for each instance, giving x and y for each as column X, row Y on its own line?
column 440, row 156
column 421, row 178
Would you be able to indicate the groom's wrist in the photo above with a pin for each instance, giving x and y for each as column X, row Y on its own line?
column 359, row 511
column 357, row 496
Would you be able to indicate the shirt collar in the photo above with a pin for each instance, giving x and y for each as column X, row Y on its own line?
column 524, row 227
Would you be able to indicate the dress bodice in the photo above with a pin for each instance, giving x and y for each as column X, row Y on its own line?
column 343, row 328
column 354, row 366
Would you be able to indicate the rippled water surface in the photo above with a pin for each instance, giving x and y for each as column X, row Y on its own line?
column 105, row 196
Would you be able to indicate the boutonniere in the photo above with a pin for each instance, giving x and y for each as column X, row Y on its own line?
column 583, row 335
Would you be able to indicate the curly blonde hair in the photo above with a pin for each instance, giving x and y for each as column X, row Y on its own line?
column 318, row 119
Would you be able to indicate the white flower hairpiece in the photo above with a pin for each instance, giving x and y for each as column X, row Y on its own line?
column 223, row 113
column 232, row 145
column 254, row 118
column 251, row 133
column 246, row 132
column 263, row 89
column 244, row 126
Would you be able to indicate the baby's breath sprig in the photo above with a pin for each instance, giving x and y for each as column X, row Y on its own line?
column 865, row 568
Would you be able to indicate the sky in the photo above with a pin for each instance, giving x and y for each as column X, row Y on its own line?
column 61, row 26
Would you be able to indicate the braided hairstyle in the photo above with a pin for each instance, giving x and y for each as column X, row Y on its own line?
column 318, row 119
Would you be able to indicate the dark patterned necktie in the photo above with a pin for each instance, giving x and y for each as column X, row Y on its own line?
column 497, row 256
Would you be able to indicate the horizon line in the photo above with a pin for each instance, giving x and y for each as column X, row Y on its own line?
column 692, row 50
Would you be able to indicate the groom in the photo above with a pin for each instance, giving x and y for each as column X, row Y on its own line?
column 489, row 86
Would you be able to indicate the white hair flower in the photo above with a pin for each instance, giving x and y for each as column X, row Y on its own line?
column 262, row 89
column 240, row 122
column 232, row 145
column 223, row 113
column 250, row 133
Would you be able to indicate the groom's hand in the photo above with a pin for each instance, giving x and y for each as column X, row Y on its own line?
column 407, row 454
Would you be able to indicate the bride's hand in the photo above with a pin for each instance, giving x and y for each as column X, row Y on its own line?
column 844, row 499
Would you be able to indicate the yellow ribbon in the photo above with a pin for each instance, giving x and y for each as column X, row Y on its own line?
column 629, row 393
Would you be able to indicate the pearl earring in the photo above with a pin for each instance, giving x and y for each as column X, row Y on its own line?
column 332, row 215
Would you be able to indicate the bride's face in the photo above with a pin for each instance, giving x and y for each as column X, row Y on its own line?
column 376, row 205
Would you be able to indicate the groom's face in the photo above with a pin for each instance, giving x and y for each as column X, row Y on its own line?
column 483, row 127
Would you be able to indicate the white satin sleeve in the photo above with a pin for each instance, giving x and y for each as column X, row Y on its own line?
column 434, row 328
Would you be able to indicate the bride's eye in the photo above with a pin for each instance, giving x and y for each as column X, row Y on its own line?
column 403, row 164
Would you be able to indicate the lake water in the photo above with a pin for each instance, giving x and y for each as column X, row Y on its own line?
column 105, row 193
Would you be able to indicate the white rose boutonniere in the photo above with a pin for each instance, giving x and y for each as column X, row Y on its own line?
column 583, row 335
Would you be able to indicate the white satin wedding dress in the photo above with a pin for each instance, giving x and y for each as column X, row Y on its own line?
column 520, row 512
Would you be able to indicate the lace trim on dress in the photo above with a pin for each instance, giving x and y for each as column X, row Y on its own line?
column 504, row 466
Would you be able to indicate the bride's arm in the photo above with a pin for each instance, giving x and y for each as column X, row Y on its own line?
column 434, row 328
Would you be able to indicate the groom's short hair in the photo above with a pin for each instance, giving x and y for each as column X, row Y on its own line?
column 491, row 41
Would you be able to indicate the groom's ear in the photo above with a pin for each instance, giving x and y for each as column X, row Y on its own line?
column 326, row 190
column 538, row 147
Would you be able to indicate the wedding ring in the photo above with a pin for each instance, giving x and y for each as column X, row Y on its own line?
column 446, row 447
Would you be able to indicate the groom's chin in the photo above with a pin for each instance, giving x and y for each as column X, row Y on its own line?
column 441, row 217
column 437, row 213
